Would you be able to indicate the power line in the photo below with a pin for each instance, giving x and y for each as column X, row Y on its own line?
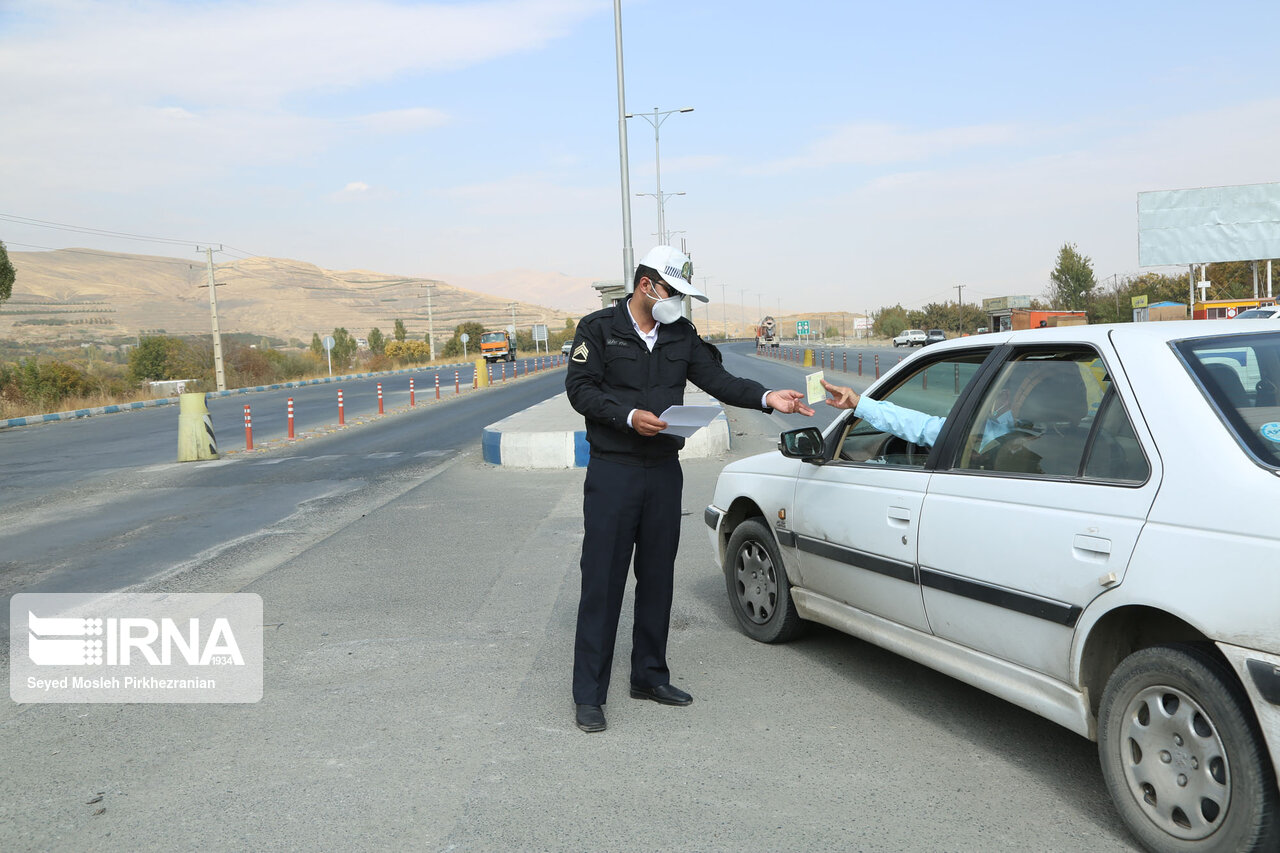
column 101, row 232
column 143, row 258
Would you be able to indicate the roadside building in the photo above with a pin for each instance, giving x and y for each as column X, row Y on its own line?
column 1227, row 309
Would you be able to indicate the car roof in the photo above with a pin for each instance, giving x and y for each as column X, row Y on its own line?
column 1169, row 330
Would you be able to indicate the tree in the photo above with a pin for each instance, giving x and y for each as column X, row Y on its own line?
column 344, row 346
column 399, row 332
column 7, row 275
column 1071, row 283
column 889, row 322
column 377, row 343
column 155, row 359
column 317, row 345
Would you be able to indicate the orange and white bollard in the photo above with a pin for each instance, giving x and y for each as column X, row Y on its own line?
column 379, row 398
column 342, row 412
column 437, row 386
column 456, row 385
column 412, row 403
column 877, row 365
column 248, row 429
column 845, row 362
column 290, row 417
column 504, row 373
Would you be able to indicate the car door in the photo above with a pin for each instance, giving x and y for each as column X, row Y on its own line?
column 1039, row 511
column 854, row 518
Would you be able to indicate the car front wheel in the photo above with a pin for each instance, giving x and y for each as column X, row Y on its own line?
column 759, row 592
column 1182, row 755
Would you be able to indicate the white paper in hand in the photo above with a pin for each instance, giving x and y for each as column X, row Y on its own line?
column 684, row 421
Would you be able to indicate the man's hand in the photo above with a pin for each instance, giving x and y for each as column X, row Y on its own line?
column 844, row 398
column 788, row 402
column 647, row 423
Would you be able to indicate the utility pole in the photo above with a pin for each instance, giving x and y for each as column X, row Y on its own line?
column 218, row 371
column 960, row 306
column 431, row 325
column 724, row 305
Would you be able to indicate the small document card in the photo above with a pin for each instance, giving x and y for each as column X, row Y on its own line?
column 684, row 421
column 813, row 382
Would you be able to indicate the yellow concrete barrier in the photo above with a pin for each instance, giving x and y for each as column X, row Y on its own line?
column 808, row 358
column 195, row 429
column 482, row 373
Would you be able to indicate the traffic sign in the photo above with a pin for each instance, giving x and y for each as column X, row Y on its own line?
column 802, row 327
column 328, row 342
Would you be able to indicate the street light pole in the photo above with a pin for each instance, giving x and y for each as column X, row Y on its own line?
column 664, row 237
column 658, row 117
column 628, row 253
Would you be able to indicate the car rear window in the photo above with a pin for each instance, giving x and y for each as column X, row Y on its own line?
column 1240, row 374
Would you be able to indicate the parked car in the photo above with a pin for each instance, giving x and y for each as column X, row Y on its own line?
column 1267, row 312
column 910, row 338
column 934, row 336
column 1091, row 537
column 566, row 347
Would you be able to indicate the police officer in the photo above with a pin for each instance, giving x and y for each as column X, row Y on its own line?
column 628, row 364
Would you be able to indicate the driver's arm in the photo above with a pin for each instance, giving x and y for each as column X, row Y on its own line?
column 915, row 427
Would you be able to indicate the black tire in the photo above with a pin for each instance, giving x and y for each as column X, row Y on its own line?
column 1182, row 755
column 756, row 581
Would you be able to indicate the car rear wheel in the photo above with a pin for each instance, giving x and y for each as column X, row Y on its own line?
column 756, row 581
column 1182, row 755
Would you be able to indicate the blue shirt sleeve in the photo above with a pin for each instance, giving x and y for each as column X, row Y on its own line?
column 915, row 427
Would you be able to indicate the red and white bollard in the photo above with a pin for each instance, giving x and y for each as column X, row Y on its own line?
column 489, row 369
column 456, row 387
column 504, row 373
column 379, row 398
column 845, row 362
column 877, row 365
column 290, row 417
column 342, row 412
column 412, row 403
column 248, row 429
column 859, row 364
column 437, row 386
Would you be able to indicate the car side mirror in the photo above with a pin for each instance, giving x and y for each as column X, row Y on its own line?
column 804, row 443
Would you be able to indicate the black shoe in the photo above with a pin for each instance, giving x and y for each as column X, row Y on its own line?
column 664, row 694
column 590, row 718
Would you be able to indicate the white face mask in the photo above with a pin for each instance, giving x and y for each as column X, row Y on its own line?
column 666, row 310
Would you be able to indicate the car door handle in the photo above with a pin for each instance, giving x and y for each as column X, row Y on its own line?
column 1092, row 547
column 899, row 515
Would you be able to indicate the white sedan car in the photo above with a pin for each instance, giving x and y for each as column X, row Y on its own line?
column 1092, row 536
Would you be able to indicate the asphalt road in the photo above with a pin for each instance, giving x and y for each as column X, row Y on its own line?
column 135, row 514
column 419, row 612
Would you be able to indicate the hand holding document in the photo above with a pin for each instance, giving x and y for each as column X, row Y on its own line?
column 684, row 421
column 813, row 384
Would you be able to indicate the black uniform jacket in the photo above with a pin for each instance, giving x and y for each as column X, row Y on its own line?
column 611, row 372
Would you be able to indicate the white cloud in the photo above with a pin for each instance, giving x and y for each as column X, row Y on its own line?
column 356, row 187
column 109, row 96
column 402, row 121
column 877, row 143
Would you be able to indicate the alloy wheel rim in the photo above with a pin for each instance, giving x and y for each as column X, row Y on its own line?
column 1175, row 763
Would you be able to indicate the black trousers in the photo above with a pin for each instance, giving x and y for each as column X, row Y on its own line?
column 626, row 509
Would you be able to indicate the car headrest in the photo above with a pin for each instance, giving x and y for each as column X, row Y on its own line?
column 1052, row 392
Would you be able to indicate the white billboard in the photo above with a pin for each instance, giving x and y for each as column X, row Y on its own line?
column 1207, row 225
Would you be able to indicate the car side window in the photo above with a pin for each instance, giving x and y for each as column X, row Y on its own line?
column 1115, row 453
column 1036, row 417
column 932, row 389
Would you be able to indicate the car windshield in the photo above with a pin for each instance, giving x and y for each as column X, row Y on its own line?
column 1241, row 374
column 1258, row 314
column 490, row 337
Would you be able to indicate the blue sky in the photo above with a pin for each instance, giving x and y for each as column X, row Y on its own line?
column 841, row 155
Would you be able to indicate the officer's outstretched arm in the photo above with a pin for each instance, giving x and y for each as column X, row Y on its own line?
column 706, row 372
